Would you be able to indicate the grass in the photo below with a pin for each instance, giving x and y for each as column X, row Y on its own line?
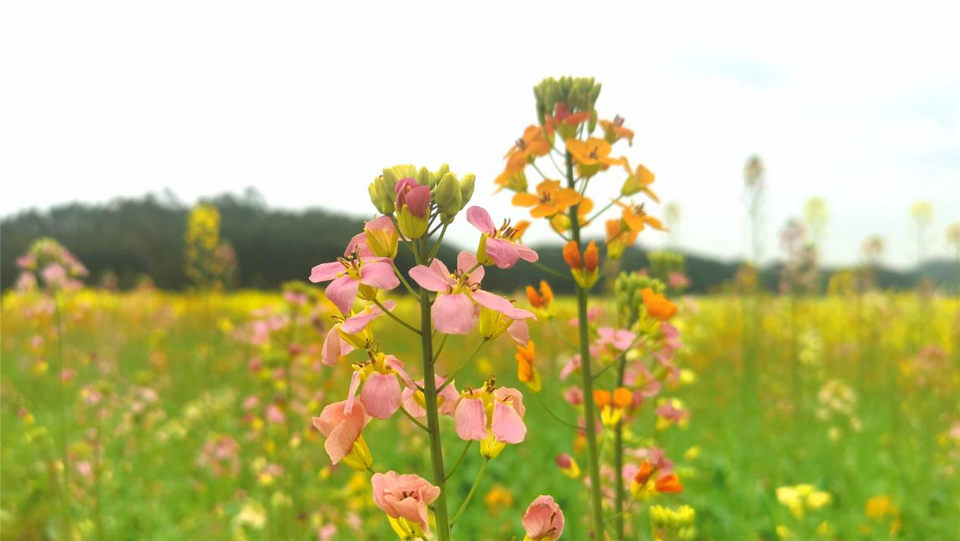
column 854, row 395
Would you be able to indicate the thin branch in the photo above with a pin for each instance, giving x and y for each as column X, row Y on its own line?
column 573, row 346
column 459, row 460
column 473, row 490
column 406, row 284
column 462, row 365
column 554, row 415
column 604, row 209
column 414, row 419
column 548, row 270
column 395, row 318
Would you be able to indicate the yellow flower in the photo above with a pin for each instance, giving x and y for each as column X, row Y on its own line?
column 613, row 130
column 638, row 180
column 637, row 218
column 548, row 200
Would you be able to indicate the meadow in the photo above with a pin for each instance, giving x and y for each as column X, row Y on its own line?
column 187, row 416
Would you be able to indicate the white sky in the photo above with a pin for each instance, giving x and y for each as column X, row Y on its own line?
column 857, row 102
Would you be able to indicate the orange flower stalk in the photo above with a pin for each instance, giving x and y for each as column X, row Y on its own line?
column 584, row 269
column 637, row 218
column 613, row 405
column 525, row 370
column 564, row 121
column 592, row 155
column 657, row 305
column 549, row 199
column 613, row 130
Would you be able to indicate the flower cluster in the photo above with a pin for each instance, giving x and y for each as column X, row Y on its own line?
column 49, row 265
column 417, row 206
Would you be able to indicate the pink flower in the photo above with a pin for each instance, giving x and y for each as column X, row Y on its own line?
column 348, row 335
column 459, row 297
column 574, row 396
column 677, row 280
column 573, row 365
column 498, row 246
column 274, row 414
column 404, row 496
column 350, row 272
column 543, row 519
column 618, row 339
column 341, row 428
column 414, row 196
column 593, row 314
column 381, row 394
column 379, row 239
column 474, row 419
column 447, row 400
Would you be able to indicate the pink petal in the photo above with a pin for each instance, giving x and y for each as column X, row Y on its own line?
column 418, row 199
column 454, row 314
column 527, row 254
column 351, row 392
column 382, row 223
column 397, row 365
column 342, row 292
column 502, row 252
column 470, row 419
column 428, row 279
column 519, row 331
column 358, row 244
column 511, row 396
column 330, row 352
column 325, row 272
column 341, row 441
column 491, row 301
column 507, row 425
column 379, row 275
column 357, row 323
column 381, row 395
column 466, row 261
column 480, row 218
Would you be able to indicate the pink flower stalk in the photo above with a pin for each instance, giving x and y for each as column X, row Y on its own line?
column 459, row 297
column 351, row 271
column 415, row 196
column 475, row 420
column 342, row 336
column 447, row 399
column 499, row 246
column 619, row 339
column 381, row 395
column 341, row 428
column 404, row 496
column 543, row 519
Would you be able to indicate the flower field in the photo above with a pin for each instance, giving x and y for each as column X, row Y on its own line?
column 189, row 416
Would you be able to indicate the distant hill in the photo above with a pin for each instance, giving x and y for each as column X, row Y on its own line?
column 139, row 237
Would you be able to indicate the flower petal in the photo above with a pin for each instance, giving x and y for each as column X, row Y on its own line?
column 507, row 425
column 341, row 441
column 379, row 275
column 480, row 218
column 470, row 419
column 325, row 272
column 454, row 314
column 502, row 252
column 342, row 292
column 428, row 279
column 381, row 395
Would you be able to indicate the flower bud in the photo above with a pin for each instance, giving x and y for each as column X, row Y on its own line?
column 490, row 447
column 571, row 255
column 359, row 457
column 381, row 195
column 448, row 197
column 466, row 188
column 425, row 177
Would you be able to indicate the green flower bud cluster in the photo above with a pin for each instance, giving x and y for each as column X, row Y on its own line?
column 578, row 93
column 673, row 524
column 662, row 263
column 448, row 194
column 626, row 290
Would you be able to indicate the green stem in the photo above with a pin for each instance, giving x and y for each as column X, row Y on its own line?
column 404, row 281
column 413, row 419
column 562, row 337
column 443, row 342
column 589, row 408
column 433, row 418
column 554, row 415
column 436, row 246
column 473, row 490
column 548, row 270
column 397, row 319
column 449, row 379
column 604, row 209
column 460, row 460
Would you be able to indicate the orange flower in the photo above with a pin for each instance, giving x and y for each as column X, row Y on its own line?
column 591, row 155
column 643, row 473
column 534, row 143
column 584, row 269
column 613, row 130
column 636, row 217
column 669, row 483
column 638, row 180
column 525, row 370
column 619, row 238
column 622, row 398
column 541, row 299
column 657, row 305
column 612, row 406
column 549, row 199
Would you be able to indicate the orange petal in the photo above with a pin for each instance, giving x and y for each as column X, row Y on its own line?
column 524, row 199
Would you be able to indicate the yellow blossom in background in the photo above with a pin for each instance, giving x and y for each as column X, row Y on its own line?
column 497, row 499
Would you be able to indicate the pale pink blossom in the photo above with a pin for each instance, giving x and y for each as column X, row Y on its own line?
column 341, row 428
column 381, row 394
column 447, row 399
column 459, row 297
column 404, row 496
column 573, row 396
column 543, row 519
column 619, row 339
column 473, row 420
column 351, row 271
column 499, row 244
column 415, row 196
column 336, row 345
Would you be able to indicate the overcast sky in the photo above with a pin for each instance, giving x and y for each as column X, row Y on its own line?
column 856, row 102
